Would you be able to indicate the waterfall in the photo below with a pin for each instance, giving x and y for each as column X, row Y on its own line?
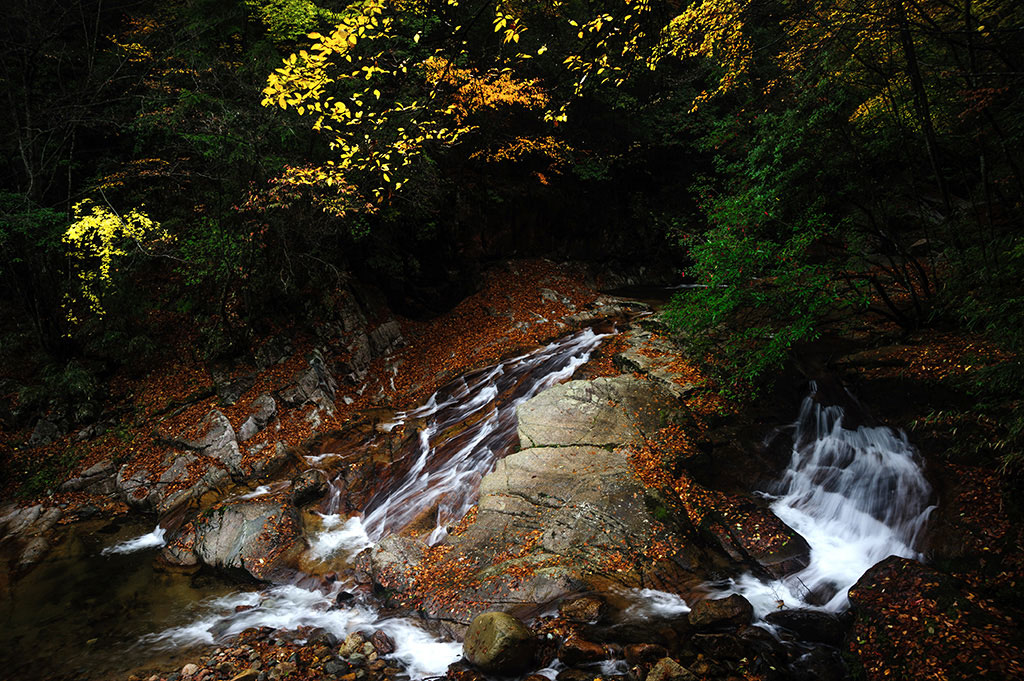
column 856, row 495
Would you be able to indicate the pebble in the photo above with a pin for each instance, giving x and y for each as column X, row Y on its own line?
column 189, row 670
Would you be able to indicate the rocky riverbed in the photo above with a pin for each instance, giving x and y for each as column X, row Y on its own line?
column 599, row 547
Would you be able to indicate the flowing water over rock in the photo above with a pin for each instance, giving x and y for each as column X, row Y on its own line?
column 463, row 430
column 857, row 495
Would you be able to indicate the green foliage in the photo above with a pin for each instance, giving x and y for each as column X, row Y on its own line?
column 984, row 295
column 289, row 20
column 764, row 263
column 26, row 226
column 211, row 253
column 70, row 389
column 44, row 476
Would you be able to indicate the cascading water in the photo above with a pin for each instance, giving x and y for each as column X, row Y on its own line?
column 452, row 480
column 856, row 495
column 464, row 429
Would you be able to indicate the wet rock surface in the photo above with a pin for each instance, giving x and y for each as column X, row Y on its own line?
column 498, row 643
column 260, row 536
column 712, row 613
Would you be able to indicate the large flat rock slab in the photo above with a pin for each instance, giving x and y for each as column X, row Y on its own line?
column 604, row 412
column 550, row 522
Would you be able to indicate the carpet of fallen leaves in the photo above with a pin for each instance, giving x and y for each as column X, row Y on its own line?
column 914, row 623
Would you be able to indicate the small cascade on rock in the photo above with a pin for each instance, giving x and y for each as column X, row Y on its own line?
column 469, row 425
column 154, row 539
column 857, row 495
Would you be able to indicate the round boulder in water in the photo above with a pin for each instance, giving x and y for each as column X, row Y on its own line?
column 498, row 643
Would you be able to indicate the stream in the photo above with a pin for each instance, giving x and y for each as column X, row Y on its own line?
column 856, row 495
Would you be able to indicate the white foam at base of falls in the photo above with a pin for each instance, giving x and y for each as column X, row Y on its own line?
column 339, row 534
column 856, row 495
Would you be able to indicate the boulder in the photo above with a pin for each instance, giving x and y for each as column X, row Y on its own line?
column 163, row 491
column 550, row 522
column 308, row 486
column 44, row 433
column 498, row 643
column 731, row 611
column 100, row 478
column 814, row 626
column 644, row 653
column 748, row 532
column 656, row 358
column 603, row 412
column 274, row 351
column 219, row 442
column 260, row 535
column 576, row 651
column 719, row 646
column 314, row 385
column 272, row 459
column 668, row 669
column 230, row 390
column 386, row 337
column 583, row 609
column 264, row 410
column 382, row 643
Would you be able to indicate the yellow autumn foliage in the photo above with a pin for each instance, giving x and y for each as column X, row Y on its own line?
column 95, row 240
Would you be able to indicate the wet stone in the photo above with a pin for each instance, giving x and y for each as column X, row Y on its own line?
column 498, row 643
column 571, row 674
column 584, row 609
column 576, row 651
column 320, row 636
column 353, row 642
column 644, row 653
column 719, row 646
column 810, row 625
column 308, row 487
column 734, row 610
column 336, row 667
column 705, row 668
column 668, row 669
column 382, row 643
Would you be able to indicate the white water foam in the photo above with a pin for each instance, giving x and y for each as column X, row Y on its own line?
column 291, row 607
column 339, row 535
column 654, row 604
column 258, row 492
column 154, row 539
column 856, row 495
